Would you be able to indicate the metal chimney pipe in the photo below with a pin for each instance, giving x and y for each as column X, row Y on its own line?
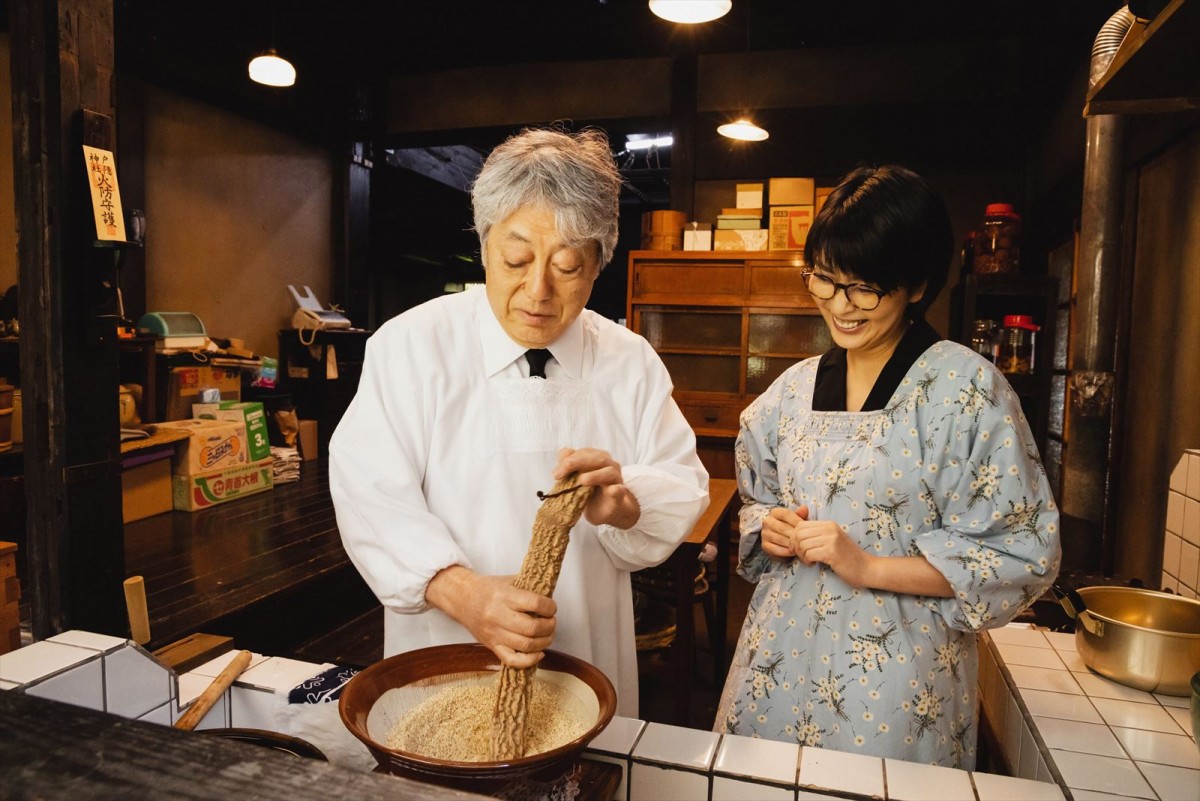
column 1086, row 468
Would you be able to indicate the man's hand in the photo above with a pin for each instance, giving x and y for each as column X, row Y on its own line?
column 612, row 503
column 517, row 625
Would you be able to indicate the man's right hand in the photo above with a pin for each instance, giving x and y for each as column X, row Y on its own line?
column 517, row 625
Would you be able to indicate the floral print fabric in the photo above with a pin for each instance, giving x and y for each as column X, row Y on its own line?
column 947, row 470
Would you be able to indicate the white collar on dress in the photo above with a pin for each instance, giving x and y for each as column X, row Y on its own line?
column 499, row 349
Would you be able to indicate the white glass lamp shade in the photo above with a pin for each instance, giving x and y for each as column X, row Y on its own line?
column 271, row 70
column 744, row 130
column 690, row 11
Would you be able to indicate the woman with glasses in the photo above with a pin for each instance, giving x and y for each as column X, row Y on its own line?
column 893, row 502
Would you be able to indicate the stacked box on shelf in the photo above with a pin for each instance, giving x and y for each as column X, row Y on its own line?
column 791, row 212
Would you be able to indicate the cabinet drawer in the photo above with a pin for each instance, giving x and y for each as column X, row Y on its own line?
column 711, row 416
column 673, row 280
column 781, row 282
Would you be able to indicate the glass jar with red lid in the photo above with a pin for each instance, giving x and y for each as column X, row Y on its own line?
column 997, row 248
column 1018, row 344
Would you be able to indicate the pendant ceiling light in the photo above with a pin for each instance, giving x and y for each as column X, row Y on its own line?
column 272, row 70
column 690, row 11
column 744, row 130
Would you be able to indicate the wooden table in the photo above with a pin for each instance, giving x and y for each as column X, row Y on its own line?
column 56, row 751
column 713, row 524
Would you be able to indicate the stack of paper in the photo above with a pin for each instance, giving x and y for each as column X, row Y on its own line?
column 286, row 464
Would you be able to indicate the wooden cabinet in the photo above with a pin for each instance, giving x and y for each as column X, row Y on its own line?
column 726, row 324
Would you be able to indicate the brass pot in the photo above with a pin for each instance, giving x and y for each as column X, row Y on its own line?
column 1140, row 638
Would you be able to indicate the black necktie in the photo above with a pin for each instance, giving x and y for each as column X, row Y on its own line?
column 537, row 359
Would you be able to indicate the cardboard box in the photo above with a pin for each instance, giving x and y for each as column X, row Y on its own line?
column 749, row 196
column 206, row 490
column 697, row 237
column 211, row 445
column 184, row 385
column 248, row 412
column 791, row 191
column 306, row 438
column 146, row 484
column 743, row 239
column 819, row 196
column 789, row 226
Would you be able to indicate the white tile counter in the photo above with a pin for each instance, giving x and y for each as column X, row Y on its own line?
column 1057, row 721
column 659, row 762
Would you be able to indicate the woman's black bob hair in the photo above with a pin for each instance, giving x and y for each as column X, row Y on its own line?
column 884, row 226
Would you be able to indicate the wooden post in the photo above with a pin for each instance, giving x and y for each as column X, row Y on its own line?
column 62, row 57
column 353, row 282
column 683, row 132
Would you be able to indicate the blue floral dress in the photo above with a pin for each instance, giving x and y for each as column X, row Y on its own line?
column 947, row 469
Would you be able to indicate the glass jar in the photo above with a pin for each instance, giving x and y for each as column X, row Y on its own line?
column 967, row 254
column 985, row 339
column 997, row 248
column 1018, row 344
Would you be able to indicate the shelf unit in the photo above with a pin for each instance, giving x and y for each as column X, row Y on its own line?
column 726, row 324
column 307, row 372
column 990, row 297
column 1155, row 68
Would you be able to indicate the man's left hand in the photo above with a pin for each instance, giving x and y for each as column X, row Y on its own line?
column 612, row 503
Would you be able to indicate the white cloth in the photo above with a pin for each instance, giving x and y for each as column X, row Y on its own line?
column 439, row 457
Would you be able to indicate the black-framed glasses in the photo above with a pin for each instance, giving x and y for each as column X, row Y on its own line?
column 823, row 287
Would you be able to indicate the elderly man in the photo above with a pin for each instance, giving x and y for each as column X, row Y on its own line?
column 471, row 403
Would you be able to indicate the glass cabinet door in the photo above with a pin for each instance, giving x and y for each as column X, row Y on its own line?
column 703, row 373
column 701, row 348
column 777, row 341
column 692, row 329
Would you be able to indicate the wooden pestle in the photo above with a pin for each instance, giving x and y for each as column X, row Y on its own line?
column 199, row 708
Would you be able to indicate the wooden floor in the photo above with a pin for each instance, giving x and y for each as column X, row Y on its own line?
column 269, row 571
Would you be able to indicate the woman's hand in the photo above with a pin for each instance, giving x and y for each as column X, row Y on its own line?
column 516, row 625
column 825, row 541
column 612, row 503
column 786, row 534
column 777, row 528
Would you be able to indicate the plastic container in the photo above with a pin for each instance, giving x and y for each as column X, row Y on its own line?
column 1018, row 344
column 985, row 339
column 997, row 248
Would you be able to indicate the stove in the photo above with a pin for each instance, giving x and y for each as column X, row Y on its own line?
column 1046, row 612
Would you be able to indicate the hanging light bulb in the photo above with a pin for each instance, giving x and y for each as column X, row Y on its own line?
column 690, row 11
column 744, row 130
column 272, row 70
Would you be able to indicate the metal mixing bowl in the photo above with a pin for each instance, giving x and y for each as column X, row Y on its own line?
column 1140, row 638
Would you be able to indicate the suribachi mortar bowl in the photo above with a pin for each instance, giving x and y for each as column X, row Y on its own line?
column 374, row 701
